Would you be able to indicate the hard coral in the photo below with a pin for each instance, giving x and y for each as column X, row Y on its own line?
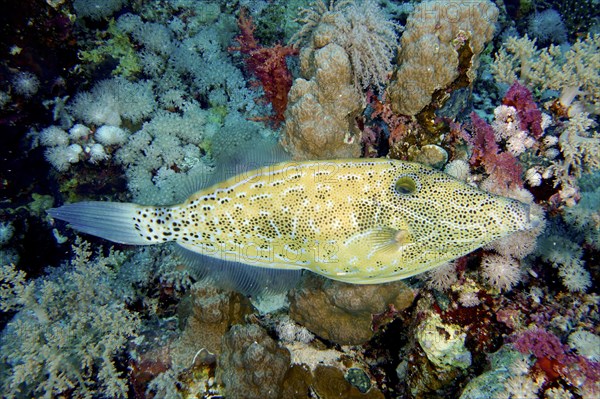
column 320, row 120
column 252, row 365
column 441, row 43
column 343, row 313
column 268, row 65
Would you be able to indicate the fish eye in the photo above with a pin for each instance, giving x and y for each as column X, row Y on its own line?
column 405, row 185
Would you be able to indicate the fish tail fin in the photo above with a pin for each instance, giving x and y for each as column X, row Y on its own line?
column 113, row 221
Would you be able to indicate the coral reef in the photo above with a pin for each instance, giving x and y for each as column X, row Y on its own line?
column 443, row 344
column 96, row 9
column 141, row 100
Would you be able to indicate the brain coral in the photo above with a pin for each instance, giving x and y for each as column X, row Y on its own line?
column 439, row 37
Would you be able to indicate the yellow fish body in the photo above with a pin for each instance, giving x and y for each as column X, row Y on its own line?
column 359, row 221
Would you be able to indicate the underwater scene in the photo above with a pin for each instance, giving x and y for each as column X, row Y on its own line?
column 300, row 199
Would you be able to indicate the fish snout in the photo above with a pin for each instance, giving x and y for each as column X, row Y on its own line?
column 519, row 216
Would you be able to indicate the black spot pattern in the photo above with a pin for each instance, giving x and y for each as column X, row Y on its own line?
column 318, row 215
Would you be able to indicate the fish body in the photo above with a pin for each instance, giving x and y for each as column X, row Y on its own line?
column 359, row 221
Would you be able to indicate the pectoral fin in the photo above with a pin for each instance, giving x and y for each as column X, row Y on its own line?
column 383, row 239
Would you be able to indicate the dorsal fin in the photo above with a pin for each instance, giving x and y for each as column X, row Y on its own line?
column 262, row 153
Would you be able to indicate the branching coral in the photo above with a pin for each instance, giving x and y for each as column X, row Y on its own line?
column 574, row 73
column 68, row 331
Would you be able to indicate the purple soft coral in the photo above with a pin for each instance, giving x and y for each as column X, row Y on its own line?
column 503, row 167
column 556, row 359
column 541, row 344
column 530, row 117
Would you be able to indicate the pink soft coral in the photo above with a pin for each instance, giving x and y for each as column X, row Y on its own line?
column 503, row 167
column 541, row 344
column 556, row 359
column 530, row 117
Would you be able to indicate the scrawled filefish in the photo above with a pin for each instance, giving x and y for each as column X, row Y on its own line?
column 355, row 220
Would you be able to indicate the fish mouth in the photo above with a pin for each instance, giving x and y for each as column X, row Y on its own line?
column 532, row 218
column 519, row 216
column 527, row 209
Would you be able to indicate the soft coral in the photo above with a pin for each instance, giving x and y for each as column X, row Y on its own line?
column 556, row 359
column 530, row 117
column 267, row 64
column 502, row 167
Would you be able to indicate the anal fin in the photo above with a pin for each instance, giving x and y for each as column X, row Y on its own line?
column 246, row 279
